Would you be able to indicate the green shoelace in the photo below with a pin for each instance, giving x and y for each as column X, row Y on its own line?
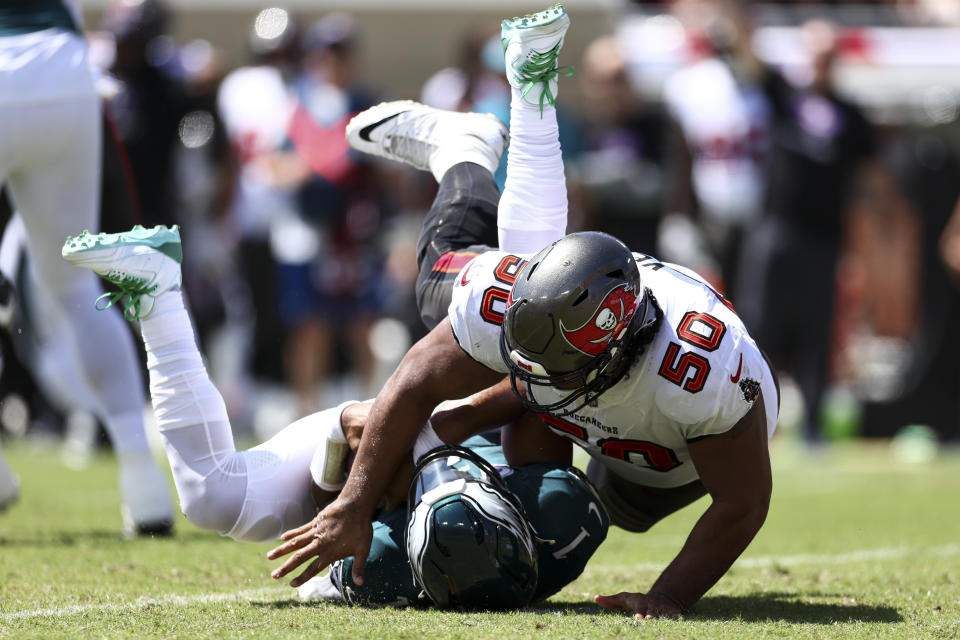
column 541, row 68
column 132, row 289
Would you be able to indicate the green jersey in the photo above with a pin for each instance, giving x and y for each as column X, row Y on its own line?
column 26, row 16
column 559, row 501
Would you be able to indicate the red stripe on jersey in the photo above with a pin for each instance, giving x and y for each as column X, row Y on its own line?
column 453, row 261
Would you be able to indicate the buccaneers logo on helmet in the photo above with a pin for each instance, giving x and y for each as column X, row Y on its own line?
column 610, row 318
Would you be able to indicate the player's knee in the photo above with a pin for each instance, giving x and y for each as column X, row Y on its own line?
column 211, row 509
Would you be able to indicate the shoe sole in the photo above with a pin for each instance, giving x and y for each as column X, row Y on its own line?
column 156, row 529
column 532, row 21
column 163, row 239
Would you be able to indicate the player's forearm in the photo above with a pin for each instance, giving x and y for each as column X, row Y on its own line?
column 435, row 369
column 717, row 540
column 391, row 429
column 488, row 409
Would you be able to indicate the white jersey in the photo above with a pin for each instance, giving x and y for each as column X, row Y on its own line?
column 698, row 377
column 727, row 139
column 256, row 106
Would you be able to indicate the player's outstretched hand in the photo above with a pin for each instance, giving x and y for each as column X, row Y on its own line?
column 335, row 533
column 641, row 605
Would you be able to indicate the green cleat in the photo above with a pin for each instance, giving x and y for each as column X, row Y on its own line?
column 143, row 263
column 531, row 46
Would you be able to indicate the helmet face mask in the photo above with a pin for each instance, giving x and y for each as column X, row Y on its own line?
column 576, row 318
column 560, row 393
column 468, row 541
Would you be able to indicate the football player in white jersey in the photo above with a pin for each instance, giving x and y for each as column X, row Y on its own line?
column 639, row 362
column 471, row 543
column 50, row 123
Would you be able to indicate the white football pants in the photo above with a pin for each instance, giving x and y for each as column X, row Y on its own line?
column 50, row 161
column 252, row 495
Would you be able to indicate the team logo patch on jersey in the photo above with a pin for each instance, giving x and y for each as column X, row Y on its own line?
column 610, row 318
column 750, row 388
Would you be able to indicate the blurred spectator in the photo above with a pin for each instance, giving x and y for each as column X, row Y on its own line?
column 330, row 264
column 618, row 176
column 255, row 103
column 820, row 146
column 927, row 163
column 476, row 83
column 946, row 408
column 205, row 170
column 149, row 102
column 717, row 146
column 477, row 78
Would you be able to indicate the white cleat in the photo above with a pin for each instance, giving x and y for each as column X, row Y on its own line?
column 531, row 47
column 427, row 138
column 319, row 588
column 9, row 487
column 146, row 500
column 143, row 263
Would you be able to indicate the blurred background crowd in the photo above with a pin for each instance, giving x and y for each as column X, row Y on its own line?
column 804, row 158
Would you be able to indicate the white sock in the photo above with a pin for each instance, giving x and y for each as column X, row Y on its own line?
column 192, row 419
column 445, row 157
column 533, row 207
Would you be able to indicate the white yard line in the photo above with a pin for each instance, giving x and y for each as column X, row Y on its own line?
column 859, row 555
column 144, row 603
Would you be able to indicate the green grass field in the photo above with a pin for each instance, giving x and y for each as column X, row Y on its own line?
column 857, row 545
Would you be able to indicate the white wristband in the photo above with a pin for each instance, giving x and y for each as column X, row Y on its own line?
column 427, row 440
column 327, row 465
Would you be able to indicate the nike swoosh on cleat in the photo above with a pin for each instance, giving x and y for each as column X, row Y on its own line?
column 367, row 130
column 736, row 378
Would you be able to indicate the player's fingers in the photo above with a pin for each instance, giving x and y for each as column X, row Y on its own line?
column 295, row 561
column 359, row 567
column 293, row 544
column 312, row 569
column 618, row 601
column 293, row 533
column 285, row 548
